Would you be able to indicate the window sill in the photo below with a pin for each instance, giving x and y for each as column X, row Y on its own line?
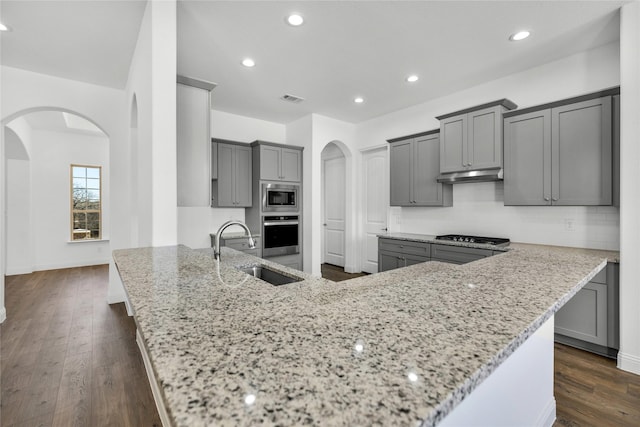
column 88, row 241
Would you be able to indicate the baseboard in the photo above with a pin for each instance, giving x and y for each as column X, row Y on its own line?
column 3, row 314
column 155, row 390
column 58, row 266
column 629, row 363
column 548, row 416
column 116, row 298
column 18, row 271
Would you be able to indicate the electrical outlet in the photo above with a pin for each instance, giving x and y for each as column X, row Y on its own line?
column 569, row 224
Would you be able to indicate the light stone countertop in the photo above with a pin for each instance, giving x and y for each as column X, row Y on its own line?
column 319, row 352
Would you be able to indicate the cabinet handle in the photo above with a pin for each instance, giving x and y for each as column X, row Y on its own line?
column 555, row 199
column 546, row 199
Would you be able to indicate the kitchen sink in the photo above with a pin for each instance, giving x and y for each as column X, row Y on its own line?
column 263, row 272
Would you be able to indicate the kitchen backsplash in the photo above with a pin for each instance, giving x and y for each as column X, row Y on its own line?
column 478, row 209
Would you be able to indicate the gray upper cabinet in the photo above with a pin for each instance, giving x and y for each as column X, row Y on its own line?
column 560, row 155
column 414, row 166
column 472, row 139
column 192, row 141
column 233, row 186
column 278, row 163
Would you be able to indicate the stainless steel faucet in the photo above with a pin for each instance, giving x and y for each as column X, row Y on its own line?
column 216, row 245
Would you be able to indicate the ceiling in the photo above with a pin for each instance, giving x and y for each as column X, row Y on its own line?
column 344, row 49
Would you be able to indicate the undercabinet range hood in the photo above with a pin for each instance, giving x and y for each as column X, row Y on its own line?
column 471, row 176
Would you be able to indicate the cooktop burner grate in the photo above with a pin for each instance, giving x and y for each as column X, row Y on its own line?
column 495, row 241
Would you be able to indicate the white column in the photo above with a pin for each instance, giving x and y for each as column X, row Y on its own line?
column 3, row 181
column 629, row 355
column 163, row 123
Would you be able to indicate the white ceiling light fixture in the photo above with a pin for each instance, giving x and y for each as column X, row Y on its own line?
column 358, row 100
column 248, row 62
column 412, row 78
column 520, row 35
column 4, row 27
column 295, row 20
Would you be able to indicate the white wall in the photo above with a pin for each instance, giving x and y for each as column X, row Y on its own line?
column 478, row 207
column 196, row 223
column 25, row 91
column 244, row 129
column 629, row 355
column 52, row 155
column 19, row 237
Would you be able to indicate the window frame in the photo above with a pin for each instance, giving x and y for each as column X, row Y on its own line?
column 86, row 211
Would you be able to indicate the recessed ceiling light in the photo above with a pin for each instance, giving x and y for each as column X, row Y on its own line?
column 248, row 62
column 4, row 27
column 358, row 100
column 295, row 20
column 412, row 78
column 520, row 35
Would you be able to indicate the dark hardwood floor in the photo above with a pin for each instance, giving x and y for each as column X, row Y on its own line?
column 68, row 358
column 591, row 391
column 337, row 274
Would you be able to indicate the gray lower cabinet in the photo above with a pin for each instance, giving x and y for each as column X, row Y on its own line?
column 457, row 254
column 393, row 253
column 560, row 155
column 241, row 244
column 233, row 188
column 590, row 319
column 292, row 261
column 414, row 167
column 277, row 162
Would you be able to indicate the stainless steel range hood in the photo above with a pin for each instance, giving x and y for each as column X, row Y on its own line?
column 471, row 176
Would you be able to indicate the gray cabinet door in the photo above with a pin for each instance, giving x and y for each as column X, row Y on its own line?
column 453, row 143
column 527, row 159
column 484, row 141
column 401, row 173
column 426, row 168
column 413, row 259
column 615, row 150
column 584, row 316
column 581, row 153
column 226, row 169
column 270, row 163
column 388, row 261
column 242, row 177
column 291, row 165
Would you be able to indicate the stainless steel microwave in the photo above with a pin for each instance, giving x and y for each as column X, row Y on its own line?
column 280, row 198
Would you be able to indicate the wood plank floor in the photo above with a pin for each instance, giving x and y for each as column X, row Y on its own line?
column 337, row 274
column 68, row 358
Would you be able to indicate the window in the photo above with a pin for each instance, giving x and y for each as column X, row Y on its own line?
column 86, row 202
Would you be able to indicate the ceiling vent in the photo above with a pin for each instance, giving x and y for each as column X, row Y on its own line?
column 291, row 98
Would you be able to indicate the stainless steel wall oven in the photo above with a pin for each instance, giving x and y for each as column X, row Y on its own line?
column 280, row 235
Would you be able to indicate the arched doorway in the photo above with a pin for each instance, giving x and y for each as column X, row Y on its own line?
column 48, row 146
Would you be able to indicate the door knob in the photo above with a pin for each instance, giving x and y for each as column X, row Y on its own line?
column 384, row 229
column 324, row 225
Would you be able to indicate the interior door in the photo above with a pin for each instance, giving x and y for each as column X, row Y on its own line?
column 334, row 210
column 375, row 202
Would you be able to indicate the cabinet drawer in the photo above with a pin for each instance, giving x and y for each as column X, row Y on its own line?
column 457, row 254
column 405, row 247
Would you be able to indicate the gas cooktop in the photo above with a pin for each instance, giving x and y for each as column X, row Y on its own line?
column 495, row 241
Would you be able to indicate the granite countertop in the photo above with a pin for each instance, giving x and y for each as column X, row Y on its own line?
column 401, row 347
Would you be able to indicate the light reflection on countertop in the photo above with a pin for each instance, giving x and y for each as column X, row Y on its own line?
column 397, row 347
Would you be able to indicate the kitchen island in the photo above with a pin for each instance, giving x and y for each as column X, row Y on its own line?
column 402, row 347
